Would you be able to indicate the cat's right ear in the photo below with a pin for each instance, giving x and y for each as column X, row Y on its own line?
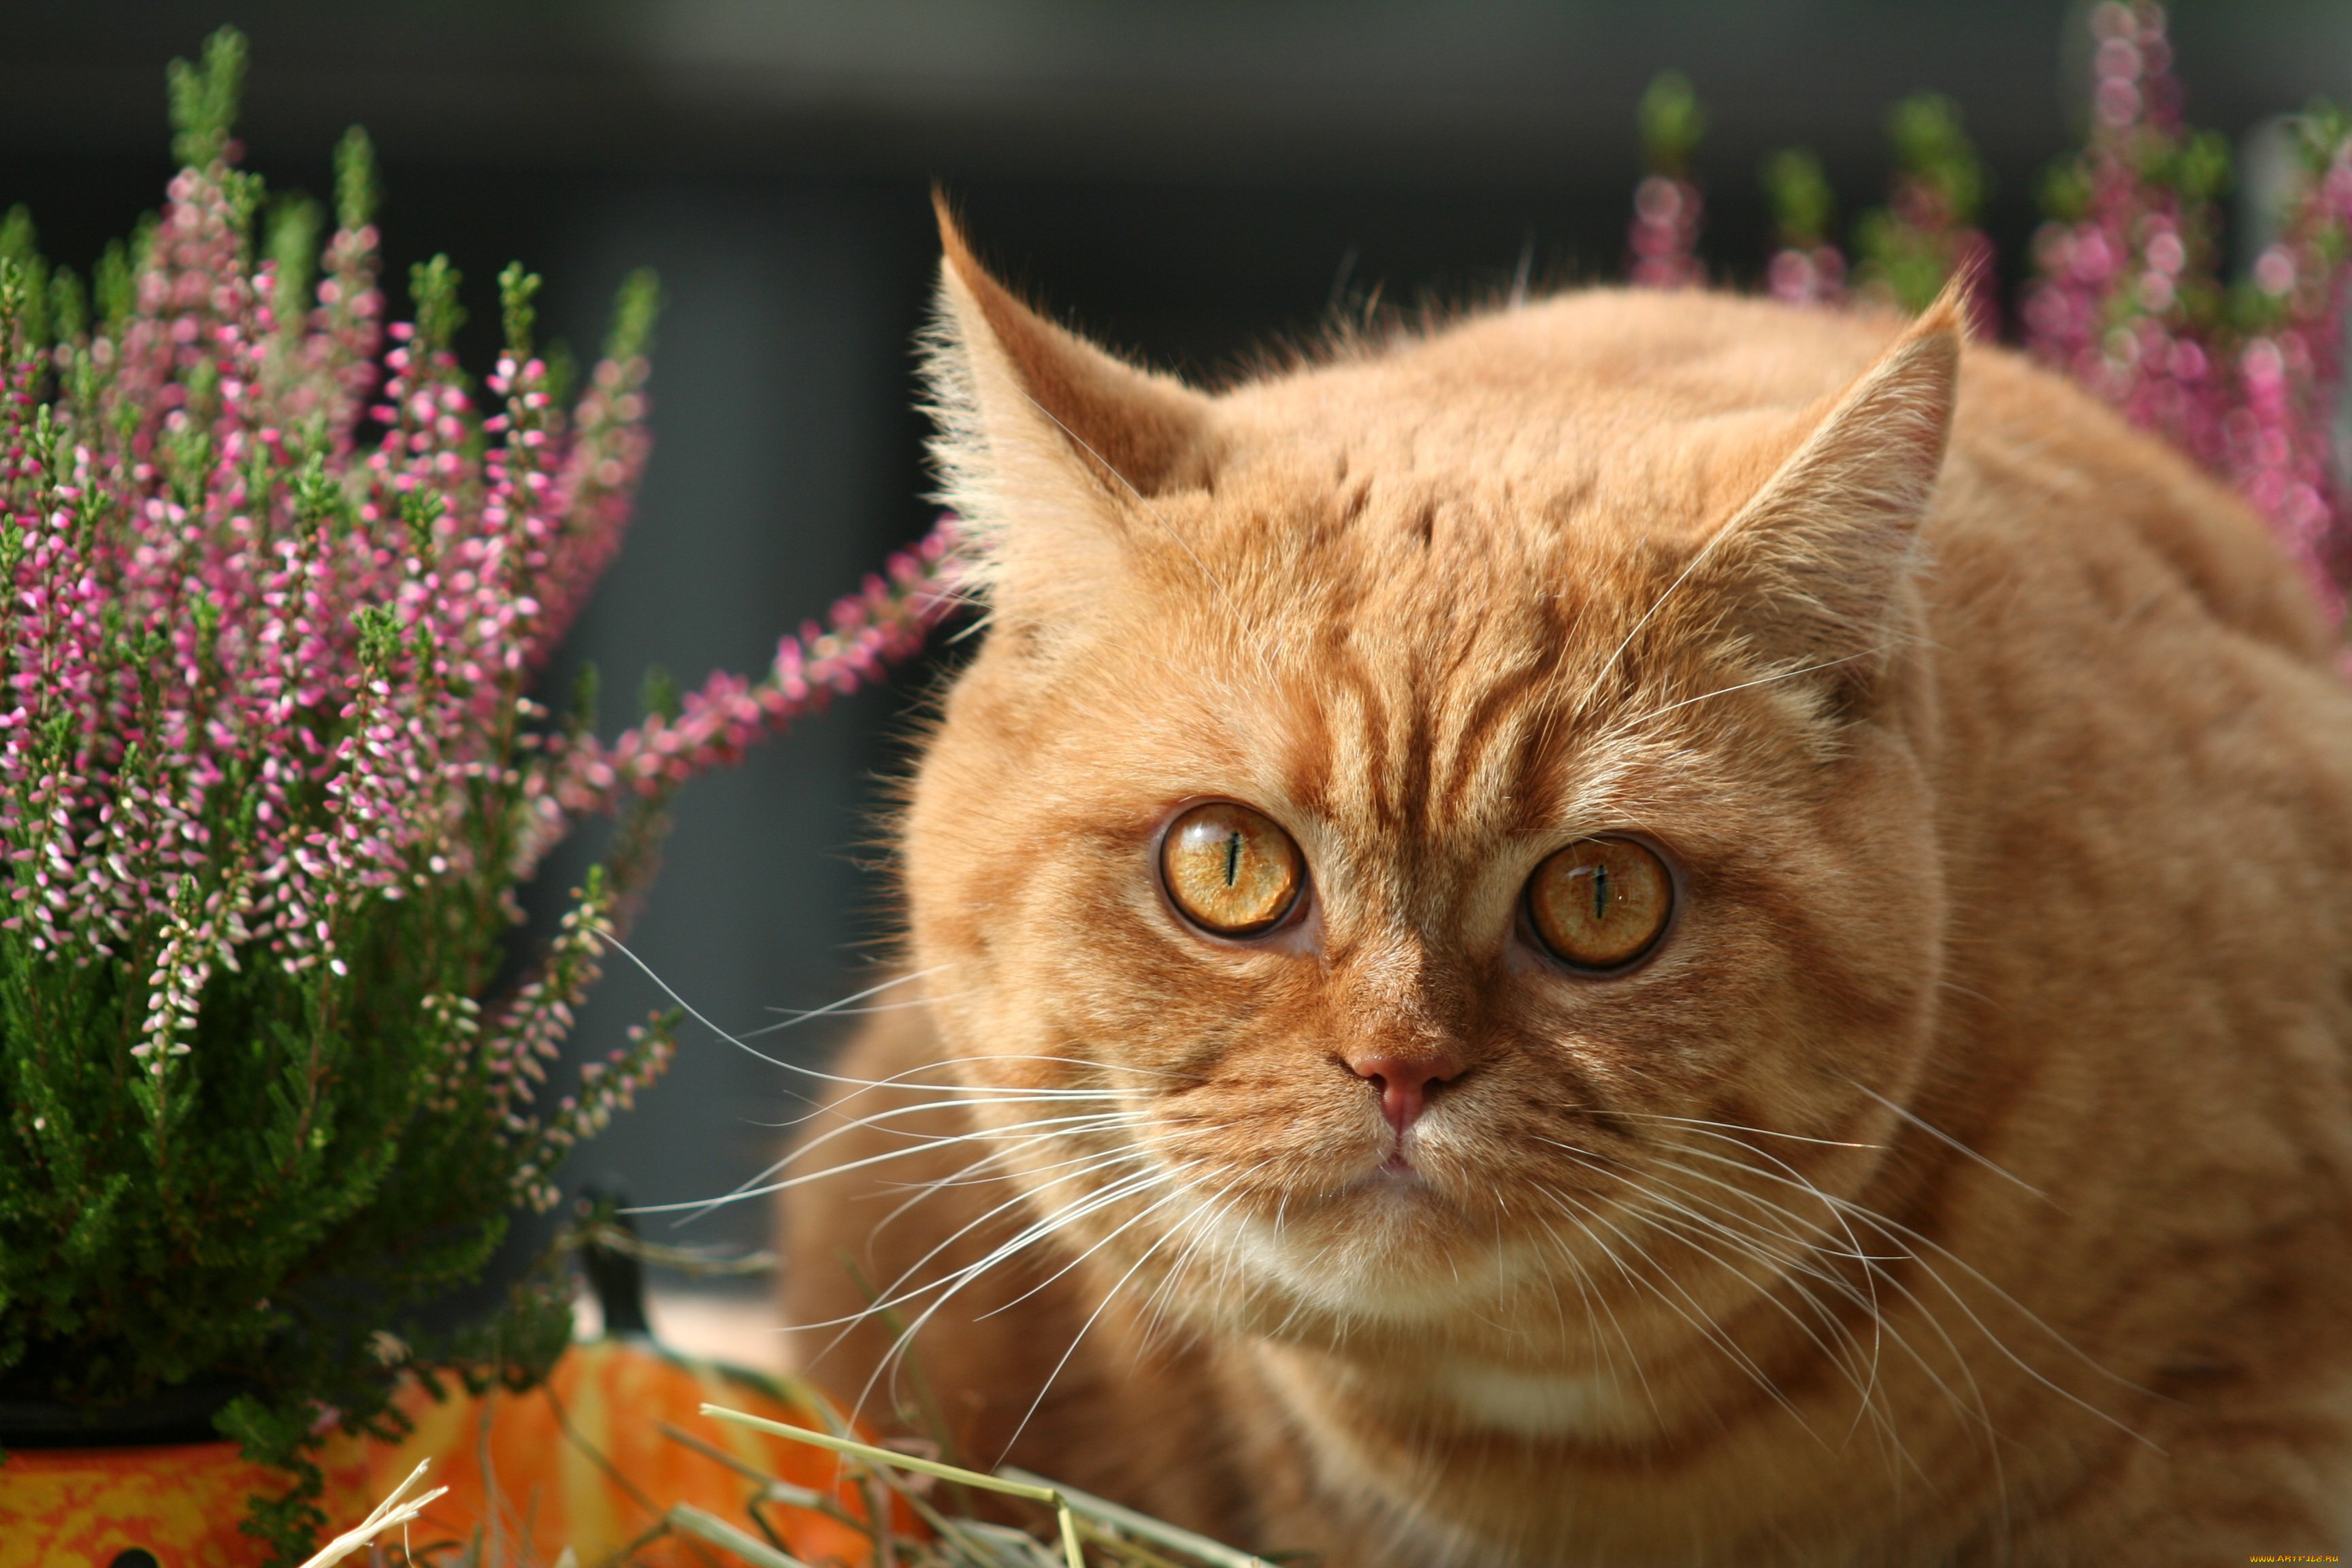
column 1046, row 444
column 1812, row 572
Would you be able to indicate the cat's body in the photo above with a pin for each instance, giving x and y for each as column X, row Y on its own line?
column 1964, row 1176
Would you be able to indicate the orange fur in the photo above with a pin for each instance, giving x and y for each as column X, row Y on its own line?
column 1966, row 1178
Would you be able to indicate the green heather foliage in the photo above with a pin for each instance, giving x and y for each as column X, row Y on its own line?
column 1803, row 206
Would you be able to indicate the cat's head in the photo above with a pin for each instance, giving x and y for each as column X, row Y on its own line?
column 1446, row 823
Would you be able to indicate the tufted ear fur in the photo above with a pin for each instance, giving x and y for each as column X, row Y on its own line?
column 1045, row 441
column 1810, row 574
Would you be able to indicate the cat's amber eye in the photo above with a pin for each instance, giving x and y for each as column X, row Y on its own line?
column 1601, row 903
column 1230, row 869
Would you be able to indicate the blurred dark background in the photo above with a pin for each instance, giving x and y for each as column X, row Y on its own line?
column 1186, row 178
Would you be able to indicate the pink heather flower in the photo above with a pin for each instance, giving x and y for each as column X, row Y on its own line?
column 2108, row 305
column 1663, row 237
column 1909, row 250
column 2279, row 446
column 592, row 488
column 1811, row 276
column 1807, row 268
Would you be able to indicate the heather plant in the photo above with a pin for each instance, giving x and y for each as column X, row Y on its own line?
column 1668, row 207
column 1807, row 266
column 281, row 582
column 2129, row 299
column 1926, row 231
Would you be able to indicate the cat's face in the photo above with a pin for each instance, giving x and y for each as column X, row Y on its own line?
column 1423, row 871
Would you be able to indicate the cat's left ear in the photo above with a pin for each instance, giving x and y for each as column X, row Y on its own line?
column 1810, row 573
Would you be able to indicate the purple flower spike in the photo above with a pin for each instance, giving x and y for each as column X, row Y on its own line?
column 2128, row 302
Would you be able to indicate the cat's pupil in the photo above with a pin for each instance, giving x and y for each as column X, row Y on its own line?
column 1600, row 893
column 1232, row 859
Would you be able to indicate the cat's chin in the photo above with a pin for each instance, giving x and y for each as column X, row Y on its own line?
column 1389, row 1247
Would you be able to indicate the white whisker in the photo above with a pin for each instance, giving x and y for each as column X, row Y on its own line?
column 1937, row 1133
column 919, row 1145
column 1639, row 719
column 831, row 1008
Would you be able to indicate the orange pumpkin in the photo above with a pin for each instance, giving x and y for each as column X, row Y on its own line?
column 538, row 1470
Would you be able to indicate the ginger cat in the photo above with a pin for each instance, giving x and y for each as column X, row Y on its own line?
column 1648, row 929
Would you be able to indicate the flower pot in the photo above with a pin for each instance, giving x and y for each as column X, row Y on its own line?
column 142, row 1486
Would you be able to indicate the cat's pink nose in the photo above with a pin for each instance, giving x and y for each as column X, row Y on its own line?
column 1403, row 1082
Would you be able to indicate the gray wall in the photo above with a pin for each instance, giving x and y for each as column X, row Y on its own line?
column 779, row 391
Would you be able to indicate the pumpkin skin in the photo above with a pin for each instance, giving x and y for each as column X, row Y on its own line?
column 616, row 1393
column 181, row 1502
